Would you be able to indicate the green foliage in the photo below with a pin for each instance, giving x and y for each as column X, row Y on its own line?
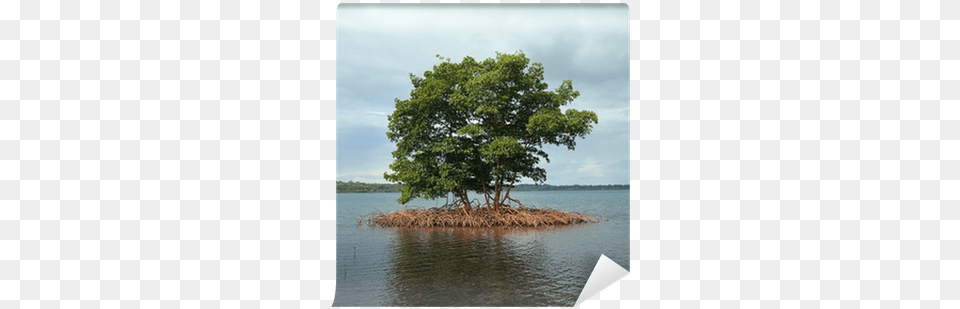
column 480, row 126
column 360, row 187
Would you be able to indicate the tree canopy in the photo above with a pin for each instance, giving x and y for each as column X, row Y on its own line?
column 480, row 126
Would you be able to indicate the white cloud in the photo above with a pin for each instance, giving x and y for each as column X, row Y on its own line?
column 472, row 21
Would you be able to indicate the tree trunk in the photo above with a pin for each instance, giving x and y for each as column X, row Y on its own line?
column 507, row 195
column 486, row 195
column 496, row 189
column 465, row 199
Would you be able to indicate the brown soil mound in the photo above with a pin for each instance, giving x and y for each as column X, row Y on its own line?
column 477, row 217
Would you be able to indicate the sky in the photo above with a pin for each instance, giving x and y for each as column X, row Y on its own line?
column 378, row 46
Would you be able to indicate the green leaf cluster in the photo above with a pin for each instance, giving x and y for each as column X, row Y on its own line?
column 480, row 126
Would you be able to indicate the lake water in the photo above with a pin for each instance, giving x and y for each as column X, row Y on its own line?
column 495, row 267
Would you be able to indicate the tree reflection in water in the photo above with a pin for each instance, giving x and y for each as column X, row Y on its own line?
column 477, row 267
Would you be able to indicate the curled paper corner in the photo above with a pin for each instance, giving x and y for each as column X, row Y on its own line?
column 604, row 274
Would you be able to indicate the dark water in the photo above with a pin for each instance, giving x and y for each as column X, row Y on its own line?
column 476, row 267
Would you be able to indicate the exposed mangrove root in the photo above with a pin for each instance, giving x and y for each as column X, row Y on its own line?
column 518, row 202
column 454, row 216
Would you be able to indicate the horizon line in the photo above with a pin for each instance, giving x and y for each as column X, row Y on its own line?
column 543, row 184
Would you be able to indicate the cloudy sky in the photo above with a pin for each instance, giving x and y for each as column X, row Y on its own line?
column 379, row 45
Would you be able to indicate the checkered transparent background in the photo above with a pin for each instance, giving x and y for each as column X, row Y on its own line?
column 798, row 154
column 171, row 154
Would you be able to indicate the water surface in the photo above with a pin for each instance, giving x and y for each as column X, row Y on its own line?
column 476, row 266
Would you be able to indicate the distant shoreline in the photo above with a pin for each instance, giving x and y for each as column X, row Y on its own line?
column 362, row 187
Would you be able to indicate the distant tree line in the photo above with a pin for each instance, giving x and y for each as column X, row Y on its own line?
column 361, row 187
column 546, row 187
